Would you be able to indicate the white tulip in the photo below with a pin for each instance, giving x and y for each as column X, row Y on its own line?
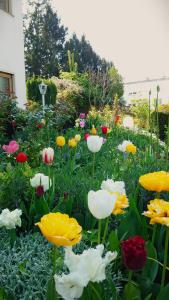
column 85, row 267
column 101, row 203
column 67, row 287
column 113, row 186
column 94, row 143
column 41, row 180
column 48, row 155
column 122, row 147
column 128, row 122
column 10, row 219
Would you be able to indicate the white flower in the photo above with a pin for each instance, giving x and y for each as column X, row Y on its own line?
column 48, row 155
column 114, row 186
column 40, row 180
column 122, row 147
column 67, row 287
column 10, row 219
column 101, row 203
column 85, row 267
column 128, row 122
column 94, row 143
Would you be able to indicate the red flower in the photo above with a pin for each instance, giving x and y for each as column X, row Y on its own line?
column 86, row 135
column 40, row 191
column 40, row 125
column 21, row 157
column 104, row 129
column 134, row 253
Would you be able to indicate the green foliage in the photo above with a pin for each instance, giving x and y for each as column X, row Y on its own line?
column 44, row 40
column 140, row 109
column 163, row 121
column 33, row 93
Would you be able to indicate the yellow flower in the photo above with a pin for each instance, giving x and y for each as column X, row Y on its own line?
column 60, row 141
column 120, row 205
column 59, row 229
column 93, row 130
column 131, row 149
column 157, row 181
column 158, row 212
column 77, row 137
column 72, row 143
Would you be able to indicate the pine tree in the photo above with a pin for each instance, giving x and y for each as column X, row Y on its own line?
column 44, row 39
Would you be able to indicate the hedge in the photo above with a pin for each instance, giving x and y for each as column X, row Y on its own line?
column 163, row 119
column 33, row 93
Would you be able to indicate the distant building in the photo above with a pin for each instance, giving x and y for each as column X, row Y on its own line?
column 140, row 89
column 12, row 68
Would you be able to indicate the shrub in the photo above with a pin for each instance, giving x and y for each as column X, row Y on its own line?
column 163, row 119
column 140, row 109
column 33, row 93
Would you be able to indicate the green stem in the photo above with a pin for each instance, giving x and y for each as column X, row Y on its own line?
column 54, row 256
column 165, row 258
column 94, row 158
column 99, row 231
column 95, row 291
column 130, row 275
column 105, row 230
column 154, row 233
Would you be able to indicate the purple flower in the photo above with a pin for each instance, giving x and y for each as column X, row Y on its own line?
column 82, row 116
column 82, row 124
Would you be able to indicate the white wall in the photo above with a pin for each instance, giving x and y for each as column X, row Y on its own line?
column 12, row 48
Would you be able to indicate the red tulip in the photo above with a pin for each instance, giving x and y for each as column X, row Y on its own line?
column 40, row 191
column 104, row 129
column 48, row 155
column 134, row 253
column 117, row 120
column 86, row 135
column 21, row 157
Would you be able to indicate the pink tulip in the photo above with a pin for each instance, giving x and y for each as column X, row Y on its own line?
column 82, row 124
column 12, row 147
column 82, row 116
column 48, row 155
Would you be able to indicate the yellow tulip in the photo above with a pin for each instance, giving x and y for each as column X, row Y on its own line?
column 59, row 229
column 77, row 137
column 60, row 141
column 131, row 149
column 120, row 204
column 158, row 212
column 93, row 130
column 157, row 181
column 72, row 143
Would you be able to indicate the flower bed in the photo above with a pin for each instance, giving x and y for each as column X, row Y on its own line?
column 86, row 188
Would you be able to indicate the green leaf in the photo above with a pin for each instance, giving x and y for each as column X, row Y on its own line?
column 151, row 268
column 51, row 291
column 131, row 292
column 113, row 242
column 163, row 295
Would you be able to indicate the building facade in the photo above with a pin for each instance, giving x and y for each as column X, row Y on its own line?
column 12, row 67
column 140, row 89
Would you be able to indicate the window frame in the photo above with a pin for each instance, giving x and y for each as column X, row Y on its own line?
column 8, row 7
column 10, row 78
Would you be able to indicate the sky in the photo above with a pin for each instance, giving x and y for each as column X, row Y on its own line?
column 134, row 34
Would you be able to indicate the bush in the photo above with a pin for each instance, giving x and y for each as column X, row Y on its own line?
column 140, row 109
column 33, row 93
column 163, row 119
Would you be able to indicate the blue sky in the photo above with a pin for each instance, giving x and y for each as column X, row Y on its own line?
column 134, row 34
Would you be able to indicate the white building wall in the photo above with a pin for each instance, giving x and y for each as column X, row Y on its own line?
column 140, row 90
column 12, row 48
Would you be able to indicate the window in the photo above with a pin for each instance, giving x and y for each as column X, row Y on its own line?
column 6, row 84
column 5, row 5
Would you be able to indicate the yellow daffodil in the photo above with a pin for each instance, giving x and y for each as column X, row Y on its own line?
column 59, row 229
column 131, row 149
column 158, row 212
column 77, row 137
column 60, row 141
column 157, row 181
column 72, row 143
column 93, row 130
column 120, row 204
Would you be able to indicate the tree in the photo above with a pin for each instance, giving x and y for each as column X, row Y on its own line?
column 84, row 55
column 44, row 39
